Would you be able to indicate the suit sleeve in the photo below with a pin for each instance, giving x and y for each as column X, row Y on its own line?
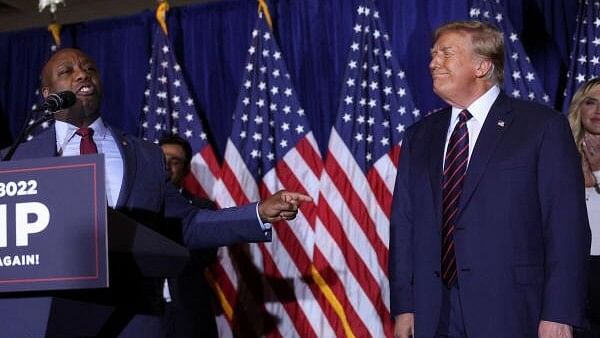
column 203, row 228
column 566, row 232
column 400, row 262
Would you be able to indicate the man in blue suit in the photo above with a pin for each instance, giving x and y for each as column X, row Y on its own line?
column 489, row 232
column 137, row 182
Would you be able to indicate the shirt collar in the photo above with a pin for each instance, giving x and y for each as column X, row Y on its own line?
column 65, row 131
column 480, row 108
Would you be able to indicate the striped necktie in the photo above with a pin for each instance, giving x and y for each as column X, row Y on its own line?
column 455, row 167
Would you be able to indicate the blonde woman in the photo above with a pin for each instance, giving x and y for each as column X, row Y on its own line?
column 584, row 118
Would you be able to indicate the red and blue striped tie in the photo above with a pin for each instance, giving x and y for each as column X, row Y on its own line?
column 455, row 167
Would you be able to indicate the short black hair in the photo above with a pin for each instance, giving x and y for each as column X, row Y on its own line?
column 178, row 140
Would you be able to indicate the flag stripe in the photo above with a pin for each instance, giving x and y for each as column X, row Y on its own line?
column 354, row 259
column 387, row 169
column 205, row 170
column 353, row 204
column 236, row 176
column 310, row 154
column 349, row 179
column 273, row 260
column 340, row 217
column 349, row 317
column 190, row 183
column 381, row 193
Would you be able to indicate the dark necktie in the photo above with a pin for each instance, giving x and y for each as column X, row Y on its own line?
column 87, row 145
column 455, row 166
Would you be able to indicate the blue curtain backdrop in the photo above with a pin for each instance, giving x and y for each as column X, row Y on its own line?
column 211, row 42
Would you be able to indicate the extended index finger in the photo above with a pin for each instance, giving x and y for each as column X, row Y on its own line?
column 295, row 197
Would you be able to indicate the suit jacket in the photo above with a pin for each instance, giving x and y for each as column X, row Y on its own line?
column 522, row 234
column 148, row 197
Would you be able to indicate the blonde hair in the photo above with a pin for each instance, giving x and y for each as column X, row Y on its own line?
column 487, row 41
column 575, row 111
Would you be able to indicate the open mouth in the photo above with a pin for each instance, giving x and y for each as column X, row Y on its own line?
column 86, row 90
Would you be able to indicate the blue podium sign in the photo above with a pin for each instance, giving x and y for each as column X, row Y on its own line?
column 53, row 224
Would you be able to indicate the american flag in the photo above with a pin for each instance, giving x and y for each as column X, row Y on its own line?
column 352, row 232
column 585, row 55
column 170, row 109
column 520, row 79
column 267, row 287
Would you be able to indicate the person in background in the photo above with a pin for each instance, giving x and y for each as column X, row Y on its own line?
column 489, row 234
column 178, row 159
column 584, row 118
column 189, row 300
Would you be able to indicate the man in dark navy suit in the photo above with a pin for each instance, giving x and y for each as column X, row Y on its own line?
column 137, row 183
column 489, row 233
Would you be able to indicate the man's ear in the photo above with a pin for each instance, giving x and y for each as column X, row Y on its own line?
column 45, row 92
column 483, row 68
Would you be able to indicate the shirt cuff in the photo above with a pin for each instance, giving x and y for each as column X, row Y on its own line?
column 267, row 226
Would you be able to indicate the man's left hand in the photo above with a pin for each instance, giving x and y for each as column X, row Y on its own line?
column 283, row 205
column 554, row 330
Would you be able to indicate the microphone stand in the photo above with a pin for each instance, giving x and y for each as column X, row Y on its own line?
column 47, row 116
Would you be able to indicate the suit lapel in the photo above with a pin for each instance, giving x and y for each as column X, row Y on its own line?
column 129, row 166
column 436, row 154
column 497, row 121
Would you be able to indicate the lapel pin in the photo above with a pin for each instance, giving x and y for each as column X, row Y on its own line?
column 124, row 143
column 501, row 123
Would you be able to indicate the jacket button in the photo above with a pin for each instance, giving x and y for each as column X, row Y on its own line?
column 436, row 273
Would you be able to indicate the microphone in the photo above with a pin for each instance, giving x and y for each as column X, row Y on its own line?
column 53, row 103
column 58, row 101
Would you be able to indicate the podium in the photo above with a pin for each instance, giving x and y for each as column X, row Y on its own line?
column 118, row 267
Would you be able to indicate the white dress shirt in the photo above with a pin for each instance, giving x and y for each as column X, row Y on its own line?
column 67, row 144
column 479, row 109
column 592, row 201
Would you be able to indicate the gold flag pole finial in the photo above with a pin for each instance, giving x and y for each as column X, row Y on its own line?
column 54, row 29
column 53, row 26
column 262, row 6
column 161, row 14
